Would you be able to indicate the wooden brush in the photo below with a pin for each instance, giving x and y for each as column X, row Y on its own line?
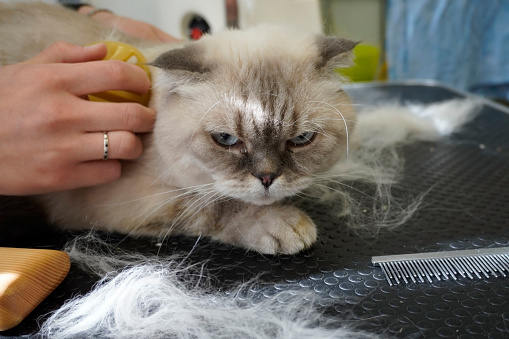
column 27, row 276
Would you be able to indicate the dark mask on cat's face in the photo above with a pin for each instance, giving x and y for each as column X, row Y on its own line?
column 259, row 121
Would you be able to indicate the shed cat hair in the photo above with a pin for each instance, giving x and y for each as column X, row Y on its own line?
column 163, row 297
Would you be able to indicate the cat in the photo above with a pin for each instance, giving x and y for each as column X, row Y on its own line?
column 245, row 120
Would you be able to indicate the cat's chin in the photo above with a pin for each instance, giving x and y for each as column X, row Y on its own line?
column 261, row 201
column 261, row 197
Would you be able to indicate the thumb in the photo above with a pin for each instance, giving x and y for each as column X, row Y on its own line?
column 63, row 52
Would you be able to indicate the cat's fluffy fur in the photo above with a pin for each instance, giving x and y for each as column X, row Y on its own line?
column 265, row 86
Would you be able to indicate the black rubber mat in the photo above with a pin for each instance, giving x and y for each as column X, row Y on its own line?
column 466, row 206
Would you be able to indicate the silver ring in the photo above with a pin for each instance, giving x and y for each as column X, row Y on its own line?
column 106, row 142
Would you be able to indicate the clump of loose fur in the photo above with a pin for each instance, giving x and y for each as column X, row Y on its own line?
column 376, row 163
column 163, row 298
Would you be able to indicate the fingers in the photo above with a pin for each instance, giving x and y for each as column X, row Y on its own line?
column 80, row 164
column 85, row 174
column 105, row 116
column 108, row 75
column 86, row 72
column 121, row 145
column 63, row 52
column 94, row 173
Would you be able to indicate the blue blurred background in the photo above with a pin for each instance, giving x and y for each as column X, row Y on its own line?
column 463, row 43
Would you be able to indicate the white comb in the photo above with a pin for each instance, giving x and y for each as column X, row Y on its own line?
column 421, row 267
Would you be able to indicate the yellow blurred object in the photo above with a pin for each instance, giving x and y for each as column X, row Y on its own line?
column 130, row 54
column 366, row 61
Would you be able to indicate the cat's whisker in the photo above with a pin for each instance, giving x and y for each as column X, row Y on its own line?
column 198, row 125
column 304, row 195
column 323, row 132
column 164, row 173
column 189, row 190
column 349, row 187
column 335, row 190
column 196, row 199
column 162, row 204
column 301, row 120
column 300, row 167
column 367, row 174
column 188, row 255
column 354, row 105
column 338, row 178
column 357, row 174
column 250, row 90
column 346, row 125
column 328, row 120
column 347, row 202
column 214, row 198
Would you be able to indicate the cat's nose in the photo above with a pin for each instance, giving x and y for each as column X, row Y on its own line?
column 266, row 178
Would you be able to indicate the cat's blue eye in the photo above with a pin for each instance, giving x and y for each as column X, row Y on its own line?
column 303, row 139
column 225, row 139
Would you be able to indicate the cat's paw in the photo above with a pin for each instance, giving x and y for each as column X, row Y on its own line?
column 280, row 230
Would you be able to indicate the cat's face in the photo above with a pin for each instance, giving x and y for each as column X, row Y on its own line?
column 257, row 128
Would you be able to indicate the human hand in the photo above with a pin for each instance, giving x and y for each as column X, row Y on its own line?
column 135, row 28
column 51, row 136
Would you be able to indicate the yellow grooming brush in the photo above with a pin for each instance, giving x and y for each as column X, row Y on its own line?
column 127, row 53
column 27, row 276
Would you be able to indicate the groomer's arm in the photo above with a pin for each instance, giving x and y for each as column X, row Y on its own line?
column 135, row 28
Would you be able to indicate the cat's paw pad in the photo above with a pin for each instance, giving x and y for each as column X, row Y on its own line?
column 287, row 230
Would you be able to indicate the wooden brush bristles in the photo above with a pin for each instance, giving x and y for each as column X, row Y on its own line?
column 27, row 276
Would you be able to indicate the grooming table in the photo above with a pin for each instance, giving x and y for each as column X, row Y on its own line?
column 466, row 207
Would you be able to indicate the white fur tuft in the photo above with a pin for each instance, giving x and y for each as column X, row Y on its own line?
column 375, row 160
column 161, row 299
column 449, row 116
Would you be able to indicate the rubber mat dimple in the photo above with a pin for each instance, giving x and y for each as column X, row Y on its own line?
column 466, row 205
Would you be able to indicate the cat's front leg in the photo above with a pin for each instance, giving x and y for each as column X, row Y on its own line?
column 272, row 229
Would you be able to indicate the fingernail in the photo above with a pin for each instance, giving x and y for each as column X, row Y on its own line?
column 94, row 46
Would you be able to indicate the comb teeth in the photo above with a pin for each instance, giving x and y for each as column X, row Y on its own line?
column 422, row 267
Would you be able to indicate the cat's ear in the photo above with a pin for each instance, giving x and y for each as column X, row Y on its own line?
column 183, row 62
column 333, row 52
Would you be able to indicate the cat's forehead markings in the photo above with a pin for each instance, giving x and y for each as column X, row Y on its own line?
column 257, row 112
column 251, row 108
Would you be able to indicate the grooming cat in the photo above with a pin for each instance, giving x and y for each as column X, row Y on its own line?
column 244, row 120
